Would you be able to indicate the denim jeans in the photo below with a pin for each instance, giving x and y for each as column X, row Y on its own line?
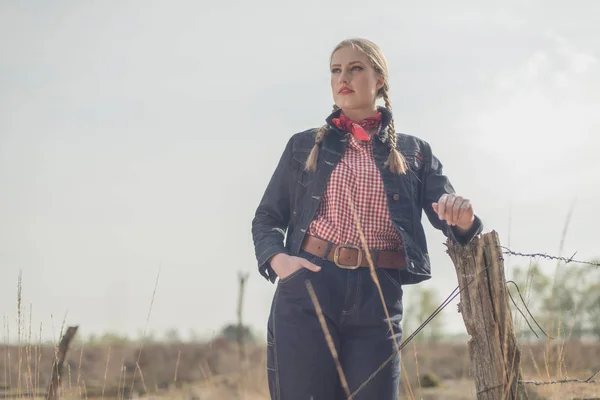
column 299, row 363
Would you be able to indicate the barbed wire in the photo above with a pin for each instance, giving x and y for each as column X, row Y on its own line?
column 528, row 311
column 549, row 257
column 566, row 261
column 588, row 380
column 457, row 291
column 536, row 383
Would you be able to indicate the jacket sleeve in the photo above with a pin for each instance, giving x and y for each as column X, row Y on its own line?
column 434, row 185
column 272, row 216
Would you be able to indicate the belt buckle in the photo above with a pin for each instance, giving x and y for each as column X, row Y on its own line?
column 336, row 256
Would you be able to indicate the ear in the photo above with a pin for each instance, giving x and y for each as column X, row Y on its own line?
column 380, row 83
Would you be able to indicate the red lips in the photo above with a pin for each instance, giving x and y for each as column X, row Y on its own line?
column 345, row 90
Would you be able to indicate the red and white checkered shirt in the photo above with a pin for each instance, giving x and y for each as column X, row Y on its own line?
column 356, row 178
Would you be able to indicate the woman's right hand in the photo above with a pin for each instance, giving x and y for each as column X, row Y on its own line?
column 284, row 265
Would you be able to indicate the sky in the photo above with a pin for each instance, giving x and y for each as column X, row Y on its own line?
column 137, row 138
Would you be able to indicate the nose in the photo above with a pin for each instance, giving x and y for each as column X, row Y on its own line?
column 344, row 78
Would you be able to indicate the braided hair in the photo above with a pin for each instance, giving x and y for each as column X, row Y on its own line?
column 396, row 161
column 311, row 161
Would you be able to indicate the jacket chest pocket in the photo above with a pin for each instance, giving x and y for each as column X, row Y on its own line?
column 405, row 188
column 414, row 162
column 302, row 176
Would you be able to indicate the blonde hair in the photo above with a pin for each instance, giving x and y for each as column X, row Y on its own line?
column 395, row 162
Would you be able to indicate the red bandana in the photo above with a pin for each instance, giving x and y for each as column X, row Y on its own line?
column 358, row 129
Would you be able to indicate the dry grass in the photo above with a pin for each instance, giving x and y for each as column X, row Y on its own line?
column 212, row 370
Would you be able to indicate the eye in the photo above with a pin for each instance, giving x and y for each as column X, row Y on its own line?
column 335, row 70
column 357, row 68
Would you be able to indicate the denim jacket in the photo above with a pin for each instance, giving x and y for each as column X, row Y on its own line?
column 292, row 196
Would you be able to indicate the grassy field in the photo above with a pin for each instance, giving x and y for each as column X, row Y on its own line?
column 207, row 371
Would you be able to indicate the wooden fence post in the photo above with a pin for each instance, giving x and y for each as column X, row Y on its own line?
column 57, row 367
column 495, row 355
column 241, row 331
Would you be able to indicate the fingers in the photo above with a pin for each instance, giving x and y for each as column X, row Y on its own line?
column 463, row 211
column 467, row 216
column 308, row 265
column 450, row 210
column 442, row 206
column 455, row 210
column 458, row 209
column 445, row 207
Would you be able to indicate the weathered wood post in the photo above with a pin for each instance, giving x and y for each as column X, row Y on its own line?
column 495, row 355
column 241, row 339
column 57, row 367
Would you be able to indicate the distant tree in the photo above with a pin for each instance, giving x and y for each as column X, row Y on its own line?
column 566, row 306
column 230, row 332
column 172, row 336
column 592, row 305
column 149, row 337
column 113, row 338
column 193, row 336
column 421, row 304
column 92, row 339
column 534, row 287
column 428, row 302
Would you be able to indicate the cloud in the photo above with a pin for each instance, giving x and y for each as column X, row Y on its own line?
column 545, row 98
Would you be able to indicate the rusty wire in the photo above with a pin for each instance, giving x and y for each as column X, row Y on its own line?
column 549, row 257
column 542, row 383
column 454, row 294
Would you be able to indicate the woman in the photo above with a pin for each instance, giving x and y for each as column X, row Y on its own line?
column 353, row 176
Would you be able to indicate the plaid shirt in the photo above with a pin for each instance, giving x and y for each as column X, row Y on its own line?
column 356, row 178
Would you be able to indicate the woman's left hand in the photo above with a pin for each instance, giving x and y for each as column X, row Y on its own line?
column 456, row 210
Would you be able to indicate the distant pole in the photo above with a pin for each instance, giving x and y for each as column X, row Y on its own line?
column 240, row 331
column 493, row 349
column 57, row 367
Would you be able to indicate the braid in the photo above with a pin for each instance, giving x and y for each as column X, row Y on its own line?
column 311, row 161
column 395, row 161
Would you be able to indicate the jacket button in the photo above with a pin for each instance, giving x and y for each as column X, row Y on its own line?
column 396, row 196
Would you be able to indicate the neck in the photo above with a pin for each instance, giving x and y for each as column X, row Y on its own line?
column 360, row 114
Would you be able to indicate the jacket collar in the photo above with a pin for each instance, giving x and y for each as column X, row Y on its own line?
column 386, row 118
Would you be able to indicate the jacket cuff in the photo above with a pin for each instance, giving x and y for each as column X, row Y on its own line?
column 467, row 237
column 264, row 267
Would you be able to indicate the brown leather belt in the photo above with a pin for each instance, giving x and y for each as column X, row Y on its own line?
column 351, row 257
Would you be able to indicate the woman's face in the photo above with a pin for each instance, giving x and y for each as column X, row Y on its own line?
column 354, row 82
